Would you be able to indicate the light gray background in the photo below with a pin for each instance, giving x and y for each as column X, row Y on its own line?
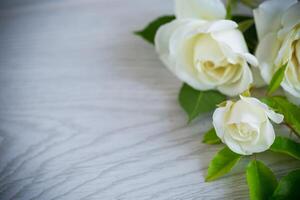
column 87, row 111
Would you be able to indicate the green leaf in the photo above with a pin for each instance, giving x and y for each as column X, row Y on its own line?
column 211, row 137
column 290, row 111
column 149, row 32
column 286, row 146
column 245, row 25
column 261, row 181
column 196, row 102
column 249, row 33
column 288, row 187
column 277, row 79
column 222, row 163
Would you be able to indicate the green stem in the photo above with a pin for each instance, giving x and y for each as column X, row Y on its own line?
column 292, row 129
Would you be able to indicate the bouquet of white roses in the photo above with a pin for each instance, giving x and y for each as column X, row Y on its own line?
column 222, row 58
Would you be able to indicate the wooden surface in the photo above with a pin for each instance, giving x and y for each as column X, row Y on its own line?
column 88, row 112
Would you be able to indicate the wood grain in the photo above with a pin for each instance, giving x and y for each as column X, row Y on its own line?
column 88, row 112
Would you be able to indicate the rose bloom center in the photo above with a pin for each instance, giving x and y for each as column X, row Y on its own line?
column 242, row 132
column 212, row 64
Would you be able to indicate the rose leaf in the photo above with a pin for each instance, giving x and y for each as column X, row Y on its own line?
column 261, row 181
column 149, row 32
column 288, row 187
column 286, row 146
column 277, row 79
column 211, row 137
column 290, row 111
column 246, row 25
column 196, row 102
column 221, row 164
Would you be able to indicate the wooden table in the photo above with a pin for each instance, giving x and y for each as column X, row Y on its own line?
column 88, row 112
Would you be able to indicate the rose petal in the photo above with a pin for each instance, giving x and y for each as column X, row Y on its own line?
column 239, row 86
column 215, row 26
column 266, row 54
column 233, row 38
column 291, row 16
column 252, row 60
column 234, row 145
column 288, row 87
column 163, row 36
column 207, row 49
column 268, row 15
column 275, row 117
column 200, row 9
column 246, row 112
column 258, row 81
column 219, row 119
column 295, row 100
column 264, row 142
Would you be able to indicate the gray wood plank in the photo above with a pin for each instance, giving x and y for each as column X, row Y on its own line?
column 87, row 111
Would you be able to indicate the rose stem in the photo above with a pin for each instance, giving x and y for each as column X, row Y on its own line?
column 292, row 129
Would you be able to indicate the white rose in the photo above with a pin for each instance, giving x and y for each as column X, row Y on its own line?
column 244, row 126
column 278, row 27
column 204, row 50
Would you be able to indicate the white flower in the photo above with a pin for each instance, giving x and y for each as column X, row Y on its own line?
column 244, row 126
column 278, row 26
column 204, row 50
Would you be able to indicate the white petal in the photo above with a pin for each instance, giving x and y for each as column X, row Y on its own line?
column 215, row 26
column 206, row 48
column 184, row 32
column 182, row 46
column 221, row 25
column 233, row 38
column 163, row 36
column 252, row 60
column 219, row 119
column 200, row 9
column 258, row 81
column 295, row 100
column 266, row 54
column 289, row 88
column 244, row 112
column 268, row 15
column 267, row 137
column 286, row 49
column 265, row 140
column 291, row 83
column 292, row 16
column 267, row 134
column 297, row 49
column 234, row 146
column 240, row 86
column 162, row 42
column 275, row 117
